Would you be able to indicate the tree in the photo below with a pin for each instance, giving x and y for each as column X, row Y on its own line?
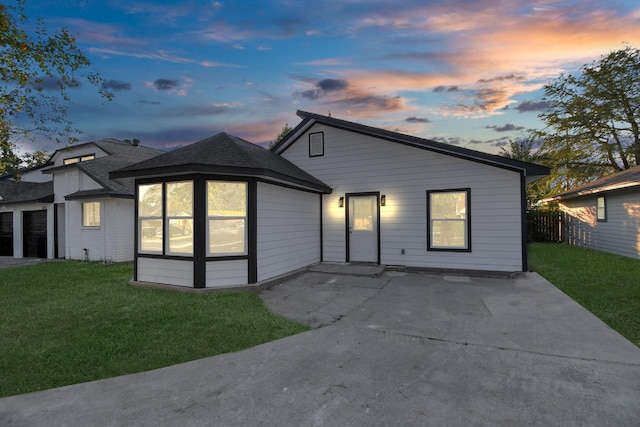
column 285, row 130
column 37, row 70
column 593, row 118
column 528, row 150
column 12, row 163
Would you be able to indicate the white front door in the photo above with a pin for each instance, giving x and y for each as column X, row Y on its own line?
column 363, row 228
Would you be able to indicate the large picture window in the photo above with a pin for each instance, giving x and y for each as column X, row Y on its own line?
column 226, row 218
column 150, row 215
column 91, row 214
column 448, row 220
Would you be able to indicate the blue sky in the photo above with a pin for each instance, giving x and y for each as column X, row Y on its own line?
column 464, row 72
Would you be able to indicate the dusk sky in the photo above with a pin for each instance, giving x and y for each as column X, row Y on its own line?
column 464, row 72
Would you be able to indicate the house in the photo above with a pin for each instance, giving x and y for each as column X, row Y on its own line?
column 70, row 208
column 604, row 214
column 223, row 212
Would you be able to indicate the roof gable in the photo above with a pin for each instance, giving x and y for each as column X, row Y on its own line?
column 228, row 155
column 309, row 119
column 115, row 155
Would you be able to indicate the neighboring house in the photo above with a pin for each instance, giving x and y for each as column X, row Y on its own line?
column 604, row 214
column 70, row 208
column 223, row 212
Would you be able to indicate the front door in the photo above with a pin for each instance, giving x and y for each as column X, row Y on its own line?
column 363, row 228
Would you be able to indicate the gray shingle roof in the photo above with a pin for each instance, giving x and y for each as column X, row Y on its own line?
column 530, row 169
column 20, row 192
column 625, row 179
column 121, row 153
column 228, row 155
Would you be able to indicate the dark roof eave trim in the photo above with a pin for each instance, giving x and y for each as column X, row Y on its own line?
column 99, row 196
column 45, row 199
column 213, row 170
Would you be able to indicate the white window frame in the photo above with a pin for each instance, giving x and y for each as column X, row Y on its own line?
column 85, row 216
column 228, row 217
column 167, row 219
column 466, row 220
column 150, row 217
column 601, row 209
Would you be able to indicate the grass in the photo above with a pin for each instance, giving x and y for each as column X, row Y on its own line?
column 69, row 322
column 605, row 284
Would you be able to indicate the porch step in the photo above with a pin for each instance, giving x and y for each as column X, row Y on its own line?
column 368, row 270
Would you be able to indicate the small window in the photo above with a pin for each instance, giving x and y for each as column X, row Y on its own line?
column 602, row 209
column 91, row 214
column 227, row 218
column 72, row 160
column 316, row 144
column 448, row 220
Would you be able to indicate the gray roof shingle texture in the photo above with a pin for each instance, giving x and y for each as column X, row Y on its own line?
column 225, row 154
column 20, row 192
column 121, row 153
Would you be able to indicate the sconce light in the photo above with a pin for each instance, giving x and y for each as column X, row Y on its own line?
column 383, row 200
column 341, row 202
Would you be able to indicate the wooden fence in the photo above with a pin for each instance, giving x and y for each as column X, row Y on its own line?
column 544, row 226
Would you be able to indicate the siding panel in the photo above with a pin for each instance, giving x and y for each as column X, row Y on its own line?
column 288, row 230
column 356, row 163
column 620, row 234
column 165, row 271
column 226, row 273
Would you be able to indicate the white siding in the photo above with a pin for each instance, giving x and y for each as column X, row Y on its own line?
column 35, row 176
column 355, row 163
column 619, row 234
column 17, row 210
column 226, row 273
column 288, row 230
column 112, row 241
column 165, row 271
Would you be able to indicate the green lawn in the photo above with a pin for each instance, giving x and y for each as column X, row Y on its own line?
column 605, row 284
column 68, row 322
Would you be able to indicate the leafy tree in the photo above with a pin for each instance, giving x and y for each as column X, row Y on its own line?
column 37, row 70
column 9, row 161
column 528, row 150
column 285, row 130
column 593, row 119
column 35, row 158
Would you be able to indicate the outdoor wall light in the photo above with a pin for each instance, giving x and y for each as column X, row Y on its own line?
column 341, row 202
column 383, row 200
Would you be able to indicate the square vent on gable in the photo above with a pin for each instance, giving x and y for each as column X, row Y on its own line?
column 316, row 144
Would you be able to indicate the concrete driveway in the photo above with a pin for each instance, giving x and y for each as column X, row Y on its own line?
column 400, row 349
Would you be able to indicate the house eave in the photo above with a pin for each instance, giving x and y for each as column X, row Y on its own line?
column 593, row 191
column 259, row 173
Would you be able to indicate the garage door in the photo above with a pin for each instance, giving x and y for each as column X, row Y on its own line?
column 6, row 234
column 35, row 234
